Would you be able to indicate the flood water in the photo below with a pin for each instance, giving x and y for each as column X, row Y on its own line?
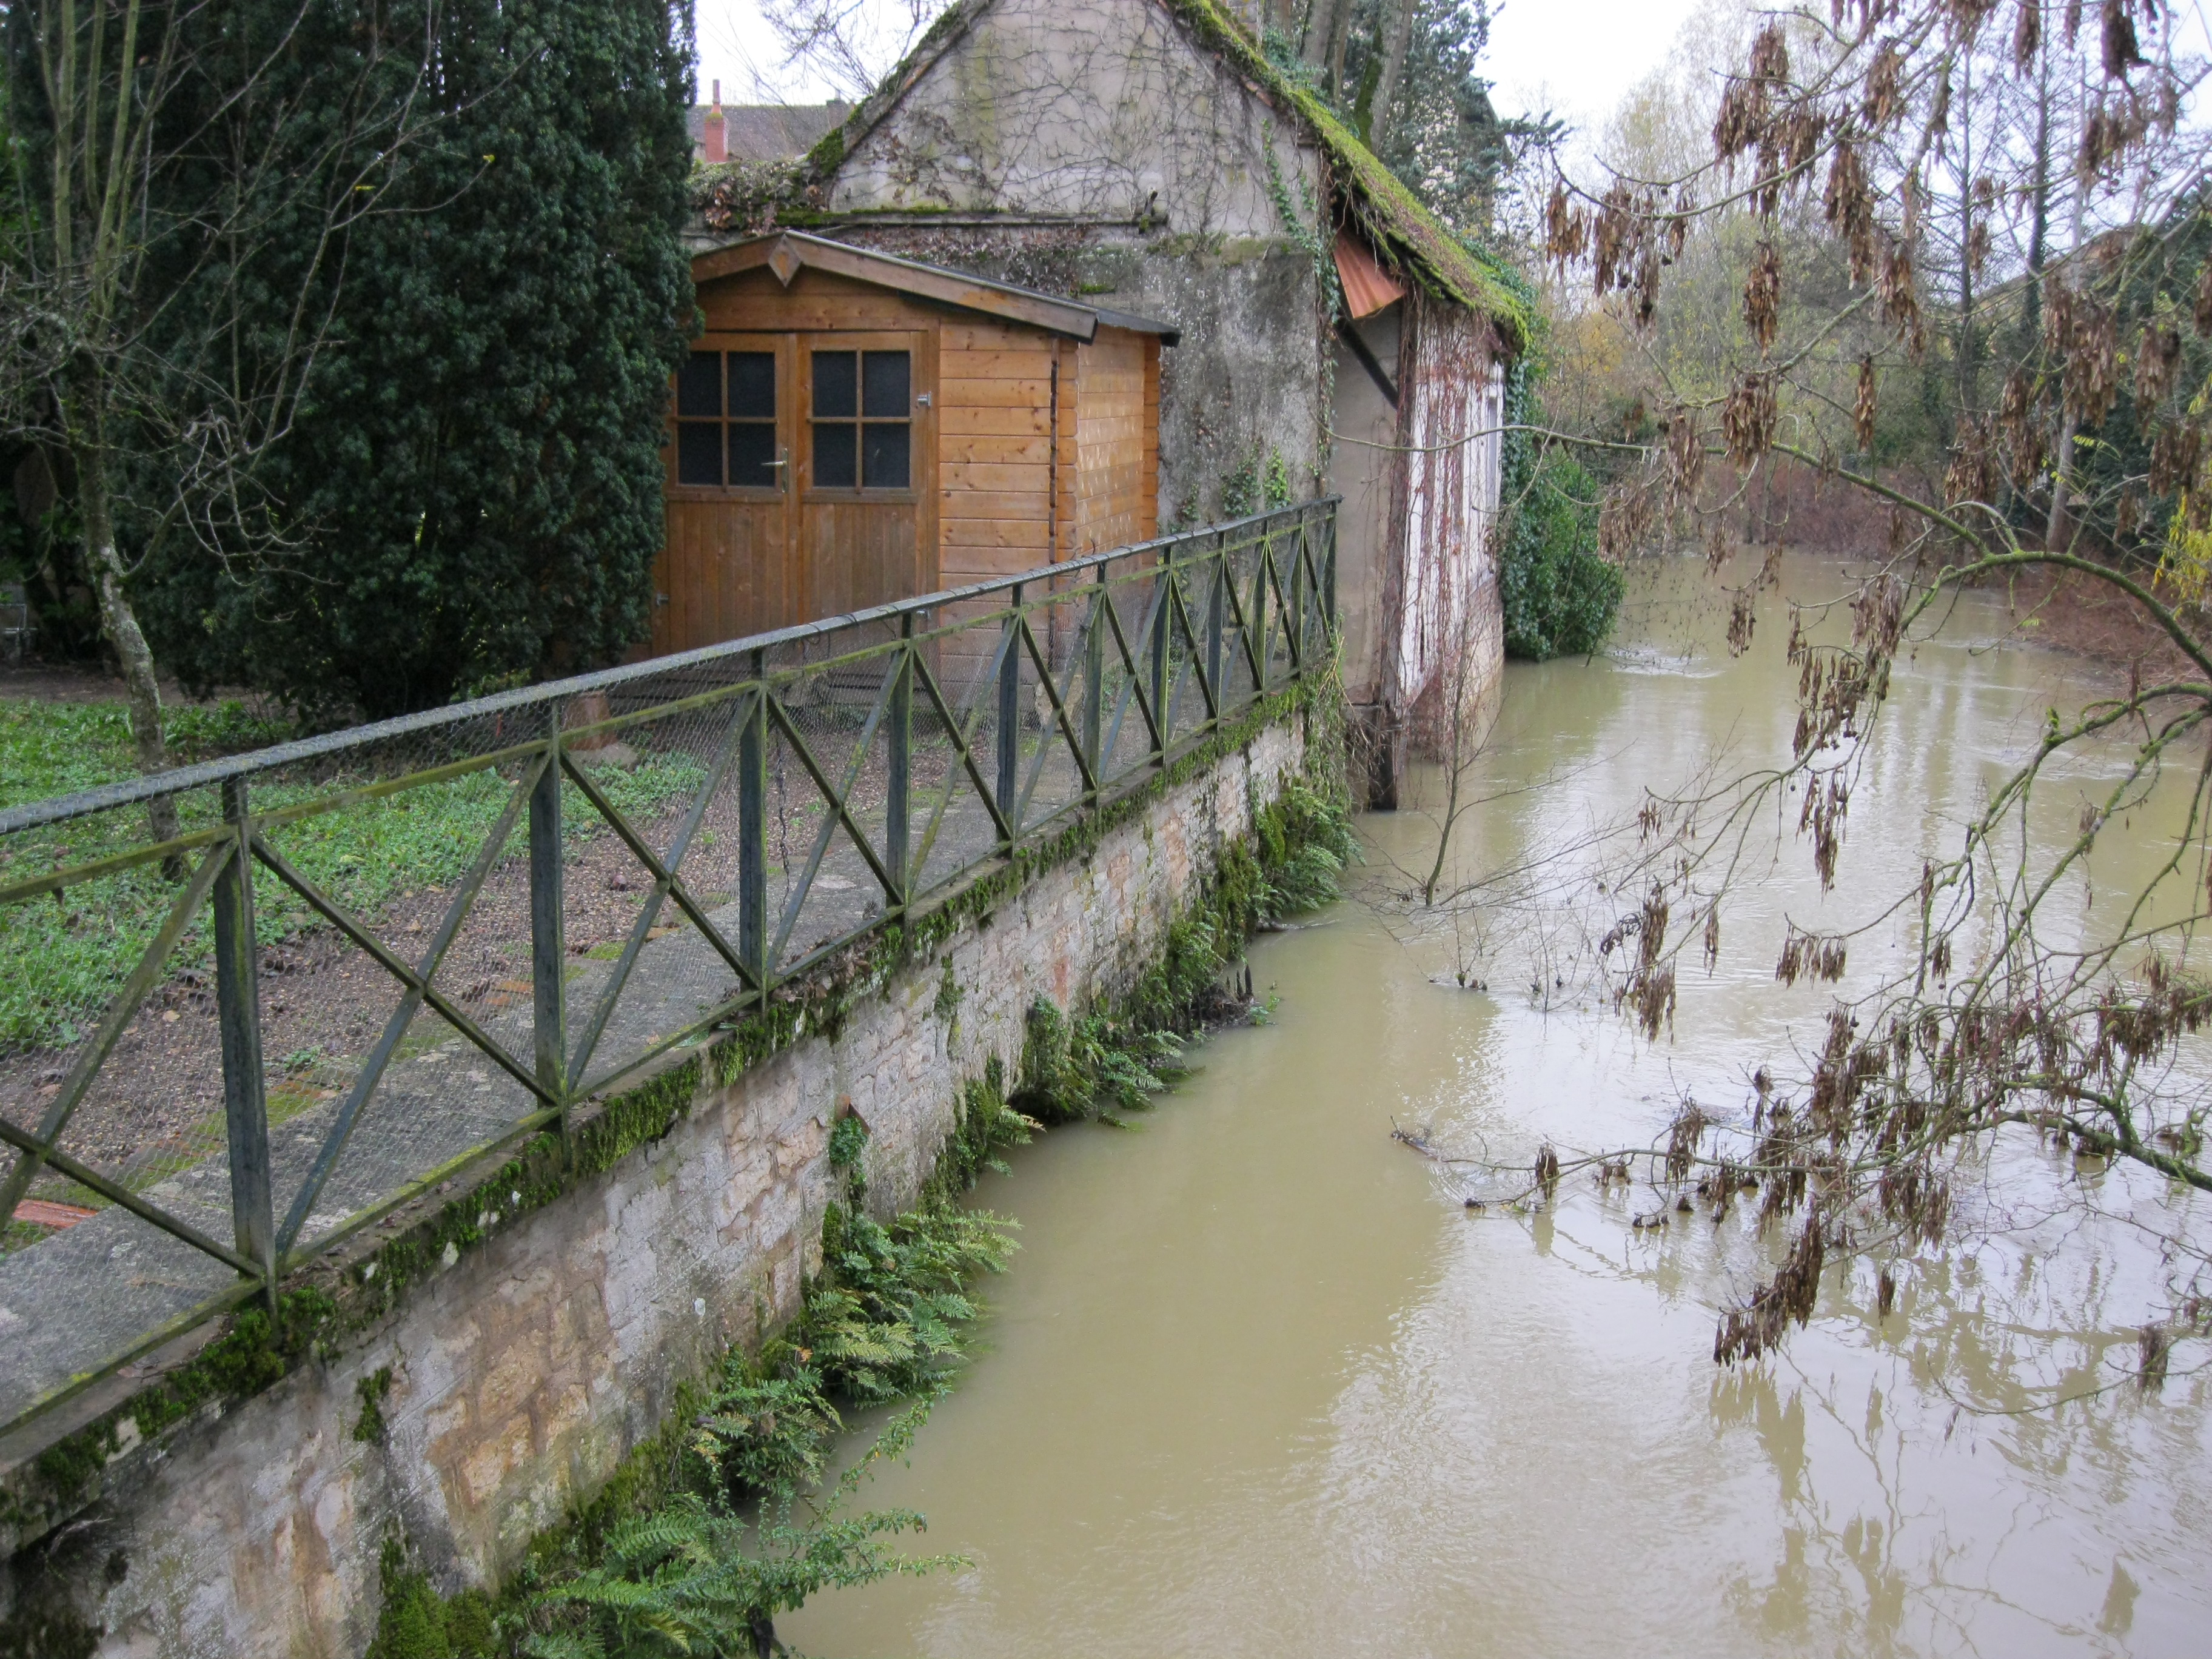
column 1257, row 1383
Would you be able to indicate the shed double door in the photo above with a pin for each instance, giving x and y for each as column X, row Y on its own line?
column 800, row 482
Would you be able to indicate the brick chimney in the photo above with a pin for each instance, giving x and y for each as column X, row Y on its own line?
column 716, row 142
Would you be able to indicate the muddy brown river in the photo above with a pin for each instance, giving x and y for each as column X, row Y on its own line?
column 1258, row 1383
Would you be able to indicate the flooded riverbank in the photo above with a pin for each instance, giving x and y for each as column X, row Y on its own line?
column 1258, row 1383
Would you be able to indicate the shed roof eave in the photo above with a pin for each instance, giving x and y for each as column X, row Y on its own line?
column 794, row 249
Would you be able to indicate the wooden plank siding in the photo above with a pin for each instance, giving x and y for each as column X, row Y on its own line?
column 993, row 453
column 1117, row 459
column 1034, row 448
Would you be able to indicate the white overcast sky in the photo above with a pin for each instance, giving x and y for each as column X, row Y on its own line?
column 1575, row 57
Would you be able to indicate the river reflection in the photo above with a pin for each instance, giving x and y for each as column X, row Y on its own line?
column 1258, row 1384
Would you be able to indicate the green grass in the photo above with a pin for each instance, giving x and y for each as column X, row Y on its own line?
column 61, row 958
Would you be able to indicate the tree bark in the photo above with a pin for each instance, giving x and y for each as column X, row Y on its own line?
column 1393, row 68
column 119, row 621
column 1967, row 363
column 1321, row 32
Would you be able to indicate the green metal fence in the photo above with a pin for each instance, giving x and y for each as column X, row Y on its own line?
column 370, row 958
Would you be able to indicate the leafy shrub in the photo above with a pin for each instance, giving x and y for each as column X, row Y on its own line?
column 883, row 1320
column 697, row 1575
column 1561, row 597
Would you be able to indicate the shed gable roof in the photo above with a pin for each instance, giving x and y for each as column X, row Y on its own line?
column 786, row 253
column 1387, row 212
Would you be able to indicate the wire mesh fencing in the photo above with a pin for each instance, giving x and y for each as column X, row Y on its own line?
column 250, row 1007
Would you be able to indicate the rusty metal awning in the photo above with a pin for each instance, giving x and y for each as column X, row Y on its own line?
column 1367, row 287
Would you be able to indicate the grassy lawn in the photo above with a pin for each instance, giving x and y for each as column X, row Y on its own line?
column 61, row 959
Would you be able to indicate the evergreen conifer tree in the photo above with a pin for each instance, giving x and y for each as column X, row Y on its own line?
column 471, row 489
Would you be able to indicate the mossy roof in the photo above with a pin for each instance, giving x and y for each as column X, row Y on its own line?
column 1390, row 215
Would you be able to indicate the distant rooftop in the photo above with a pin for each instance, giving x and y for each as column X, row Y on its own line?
column 763, row 132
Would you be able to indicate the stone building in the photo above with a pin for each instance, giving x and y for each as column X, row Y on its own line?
column 1148, row 156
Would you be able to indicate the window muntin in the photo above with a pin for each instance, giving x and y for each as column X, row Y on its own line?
column 863, row 420
column 726, row 421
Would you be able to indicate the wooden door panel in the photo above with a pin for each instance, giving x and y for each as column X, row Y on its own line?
column 860, row 554
column 858, row 547
column 723, row 574
column 726, row 568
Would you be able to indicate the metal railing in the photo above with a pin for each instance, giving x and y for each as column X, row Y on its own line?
column 368, row 959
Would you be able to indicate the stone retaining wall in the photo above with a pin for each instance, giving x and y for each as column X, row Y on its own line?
column 522, row 1374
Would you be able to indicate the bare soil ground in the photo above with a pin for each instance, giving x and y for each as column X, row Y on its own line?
column 2064, row 610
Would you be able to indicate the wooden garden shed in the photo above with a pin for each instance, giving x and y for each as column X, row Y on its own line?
column 853, row 428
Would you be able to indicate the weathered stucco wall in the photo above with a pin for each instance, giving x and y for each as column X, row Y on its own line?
column 1093, row 109
column 1359, row 469
column 522, row 1374
column 1094, row 149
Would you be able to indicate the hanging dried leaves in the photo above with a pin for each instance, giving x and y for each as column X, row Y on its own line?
column 2081, row 334
column 2157, row 355
column 1848, row 205
column 1686, row 458
column 1624, row 249
column 2027, row 35
column 1863, row 410
column 1752, row 1329
column 2200, row 312
column 1651, row 987
column 1748, row 105
column 1624, row 517
column 1968, row 17
column 2176, row 450
column 1972, row 473
column 2122, row 51
column 2022, row 427
column 1743, row 618
column 1762, row 296
column 1566, row 227
column 1748, row 420
column 1885, row 88
column 1810, row 956
column 1878, row 615
column 1900, row 296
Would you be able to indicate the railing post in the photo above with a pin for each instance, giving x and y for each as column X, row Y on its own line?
column 238, row 1009
column 1296, row 632
column 1213, row 618
column 752, row 832
column 1158, row 666
column 1328, row 579
column 549, row 950
column 1010, row 716
column 1256, row 620
column 899, row 783
column 1094, row 681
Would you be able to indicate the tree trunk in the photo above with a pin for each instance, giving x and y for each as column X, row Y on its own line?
column 1394, row 67
column 2038, row 224
column 1336, row 52
column 1966, row 363
column 2058, row 531
column 1321, row 31
column 119, row 623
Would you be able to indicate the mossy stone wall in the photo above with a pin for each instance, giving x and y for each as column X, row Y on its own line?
column 471, row 1382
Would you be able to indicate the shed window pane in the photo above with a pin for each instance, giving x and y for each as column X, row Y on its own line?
column 699, row 386
column 752, row 454
column 835, row 389
column 752, row 387
column 885, row 383
column 699, row 452
column 834, row 451
column 885, row 452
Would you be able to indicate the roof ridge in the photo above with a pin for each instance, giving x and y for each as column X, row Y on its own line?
column 1393, row 217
